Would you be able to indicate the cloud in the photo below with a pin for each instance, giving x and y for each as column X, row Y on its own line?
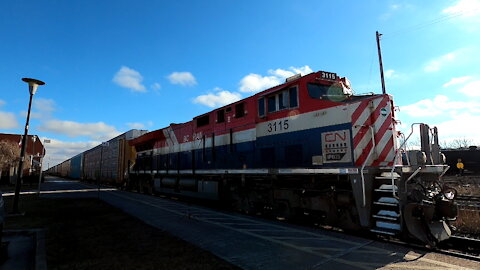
column 129, row 78
column 437, row 63
column 136, row 125
column 440, row 105
column 460, row 126
column 182, row 78
column 218, row 99
column 254, row 82
column 390, row 74
column 156, row 86
column 58, row 151
column 42, row 108
column 95, row 131
column 458, row 80
column 44, row 104
column 8, row 120
column 471, row 89
column 454, row 119
column 464, row 8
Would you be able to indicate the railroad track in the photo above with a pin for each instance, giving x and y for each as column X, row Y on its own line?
column 468, row 200
column 461, row 246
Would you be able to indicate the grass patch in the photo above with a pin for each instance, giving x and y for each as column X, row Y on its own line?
column 90, row 234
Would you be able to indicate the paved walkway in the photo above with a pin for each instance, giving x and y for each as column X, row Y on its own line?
column 253, row 243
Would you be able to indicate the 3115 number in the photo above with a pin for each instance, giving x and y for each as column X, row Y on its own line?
column 277, row 126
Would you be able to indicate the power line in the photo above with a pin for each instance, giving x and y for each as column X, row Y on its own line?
column 428, row 23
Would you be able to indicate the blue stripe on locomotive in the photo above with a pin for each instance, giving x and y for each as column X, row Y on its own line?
column 287, row 150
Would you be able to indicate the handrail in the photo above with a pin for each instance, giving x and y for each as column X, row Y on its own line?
column 413, row 175
column 365, row 163
column 396, row 156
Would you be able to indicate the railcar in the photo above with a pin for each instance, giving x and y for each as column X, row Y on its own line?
column 470, row 158
column 109, row 162
column 306, row 147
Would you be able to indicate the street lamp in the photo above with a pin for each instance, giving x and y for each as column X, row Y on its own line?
column 41, row 164
column 32, row 88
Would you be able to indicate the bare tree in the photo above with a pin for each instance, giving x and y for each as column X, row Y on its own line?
column 9, row 154
column 460, row 143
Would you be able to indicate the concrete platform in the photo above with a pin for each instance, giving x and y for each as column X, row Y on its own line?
column 253, row 243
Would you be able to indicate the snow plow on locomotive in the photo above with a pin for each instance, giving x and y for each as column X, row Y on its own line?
column 306, row 147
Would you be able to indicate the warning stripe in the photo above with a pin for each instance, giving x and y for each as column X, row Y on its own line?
column 360, row 109
column 372, row 119
column 384, row 153
column 363, row 118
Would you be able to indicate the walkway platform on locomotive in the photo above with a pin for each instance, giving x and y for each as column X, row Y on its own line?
column 255, row 243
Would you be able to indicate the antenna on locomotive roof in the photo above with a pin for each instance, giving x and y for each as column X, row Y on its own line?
column 380, row 61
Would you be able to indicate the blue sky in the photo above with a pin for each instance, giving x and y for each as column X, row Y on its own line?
column 114, row 65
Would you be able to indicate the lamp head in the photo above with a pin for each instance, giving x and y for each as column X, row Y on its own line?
column 32, row 84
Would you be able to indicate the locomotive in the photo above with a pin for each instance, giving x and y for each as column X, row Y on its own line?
column 306, row 147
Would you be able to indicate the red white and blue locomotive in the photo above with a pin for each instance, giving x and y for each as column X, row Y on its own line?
column 305, row 147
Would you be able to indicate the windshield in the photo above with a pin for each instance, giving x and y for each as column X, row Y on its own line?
column 321, row 91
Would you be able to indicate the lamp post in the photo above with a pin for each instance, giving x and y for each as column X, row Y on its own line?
column 41, row 165
column 32, row 88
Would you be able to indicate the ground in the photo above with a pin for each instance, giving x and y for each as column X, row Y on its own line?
column 90, row 234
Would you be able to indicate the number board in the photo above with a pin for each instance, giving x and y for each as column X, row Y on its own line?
column 328, row 75
column 336, row 146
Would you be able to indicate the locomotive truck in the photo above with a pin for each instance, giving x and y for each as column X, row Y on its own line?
column 306, row 147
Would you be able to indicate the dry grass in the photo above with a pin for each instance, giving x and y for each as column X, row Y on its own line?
column 90, row 234
column 468, row 220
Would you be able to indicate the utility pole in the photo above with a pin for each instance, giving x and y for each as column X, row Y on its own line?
column 380, row 61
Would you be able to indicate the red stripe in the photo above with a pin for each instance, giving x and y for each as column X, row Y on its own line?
column 383, row 129
column 361, row 159
column 384, row 154
column 356, row 114
column 372, row 118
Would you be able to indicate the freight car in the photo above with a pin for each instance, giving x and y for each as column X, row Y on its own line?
column 470, row 158
column 307, row 146
column 107, row 163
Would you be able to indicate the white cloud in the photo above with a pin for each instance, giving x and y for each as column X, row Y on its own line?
column 129, row 78
column 58, row 151
column 464, row 8
column 437, row 63
column 156, row 86
column 255, row 82
column 471, row 89
column 440, row 105
column 8, row 120
column 458, row 80
column 44, row 104
column 136, row 125
column 390, row 73
column 96, row 131
column 218, row 99
column 182, row 78
column 460, row 126
column 42, row 109
column 454, row 119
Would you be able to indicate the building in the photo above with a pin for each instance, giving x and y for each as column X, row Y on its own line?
column 33, row 153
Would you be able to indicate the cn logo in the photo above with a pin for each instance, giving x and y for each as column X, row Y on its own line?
column 336, row 136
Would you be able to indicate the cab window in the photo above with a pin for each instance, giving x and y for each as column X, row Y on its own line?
column 284, row 99
column 320, row 91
